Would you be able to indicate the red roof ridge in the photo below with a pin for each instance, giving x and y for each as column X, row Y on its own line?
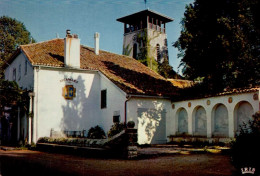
column 37, row 43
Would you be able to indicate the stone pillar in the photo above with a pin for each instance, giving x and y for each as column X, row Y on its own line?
column 190, row 123
column 231, row 125
column 18, row 124
column 209, row 124
column 131, row 143
column 29, row 129
column 30, row 125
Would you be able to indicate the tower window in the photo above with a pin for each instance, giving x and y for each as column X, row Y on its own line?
column 158, row 53
column 135, row 51
column 103, row 99
column 14, row 74
column 19, row 72
column 25, row 67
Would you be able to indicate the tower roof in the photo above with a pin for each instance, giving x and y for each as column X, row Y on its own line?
column 132, row 18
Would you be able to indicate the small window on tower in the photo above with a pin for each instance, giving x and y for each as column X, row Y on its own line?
column 19, row 72
column 25, row 67
column 158, row 53
column 14, row 74
column 135, row 51
column 103, row 99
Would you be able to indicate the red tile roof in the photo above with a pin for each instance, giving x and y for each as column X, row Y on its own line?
column 239, row 91
column 127, row 73
column 181, row 83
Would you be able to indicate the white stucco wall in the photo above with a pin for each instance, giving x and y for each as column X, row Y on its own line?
column 115, row 103
column 25, row 80
column 128, row 41
column 53, row 111
column 210, row 105
column 150, row 116
column 155, row 38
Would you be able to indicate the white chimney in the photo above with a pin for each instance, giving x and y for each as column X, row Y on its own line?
column 96, row 38
column 71, row 50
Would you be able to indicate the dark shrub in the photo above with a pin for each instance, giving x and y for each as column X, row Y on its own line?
column 245, row 151
column 115, row 129
column 96, row 133
column 130, row 124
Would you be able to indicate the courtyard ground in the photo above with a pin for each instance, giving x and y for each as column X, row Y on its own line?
column 27, row 162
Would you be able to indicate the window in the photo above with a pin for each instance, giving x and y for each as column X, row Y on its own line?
column 14, row 74
column 103, row 99
column 116, row 117
column 19, row 72
column 135, row 51
column 158, row 53
column 25, row 67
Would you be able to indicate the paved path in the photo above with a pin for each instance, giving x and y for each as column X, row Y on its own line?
column 25, row 162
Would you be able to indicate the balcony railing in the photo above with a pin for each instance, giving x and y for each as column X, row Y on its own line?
column 150, row 26
column 156, row 27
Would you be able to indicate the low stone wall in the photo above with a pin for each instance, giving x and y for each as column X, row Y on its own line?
column 82, row 142
column 123, row 144
column 191, row 139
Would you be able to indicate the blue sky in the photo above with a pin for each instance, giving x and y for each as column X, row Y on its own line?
column 46, row 18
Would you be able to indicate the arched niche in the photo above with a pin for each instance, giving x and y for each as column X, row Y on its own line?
column 199, row 121
column 182, row 121
column 242, row 114
column 220, row 121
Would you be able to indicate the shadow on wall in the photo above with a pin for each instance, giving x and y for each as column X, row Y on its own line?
column 80, row 113
column 151, row 126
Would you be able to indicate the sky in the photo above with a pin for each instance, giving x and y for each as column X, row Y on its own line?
column 47, row 19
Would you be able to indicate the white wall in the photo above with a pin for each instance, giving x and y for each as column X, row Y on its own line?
column 115, row 102
column 156, row 38
column 150, row 116
column 210, row 104
column 25, row 81
column 53, row 111
column 128, row 41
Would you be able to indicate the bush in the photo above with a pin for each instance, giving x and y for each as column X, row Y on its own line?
column 96, row 133
column 115, row 129
column 245, row 150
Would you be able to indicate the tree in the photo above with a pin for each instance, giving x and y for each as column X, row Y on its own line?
column 245, row 149
column 220, row 41
column 12, row 95
column 165, row 70
column 12, row 34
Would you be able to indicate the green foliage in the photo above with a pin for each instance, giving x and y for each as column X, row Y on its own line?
column 12, row 34
column 73, row 141
column 115, row 129
column 245, row 149
column 96, row 133
column 144, row 46
column 165, row 70
column 220, row 41
column 11, row 95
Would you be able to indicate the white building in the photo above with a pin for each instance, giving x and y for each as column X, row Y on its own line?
column 75, row 87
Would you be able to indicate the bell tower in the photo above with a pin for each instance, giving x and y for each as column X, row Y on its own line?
column 145, row 37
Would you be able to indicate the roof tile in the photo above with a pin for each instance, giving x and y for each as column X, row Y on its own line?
column 127, row 73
